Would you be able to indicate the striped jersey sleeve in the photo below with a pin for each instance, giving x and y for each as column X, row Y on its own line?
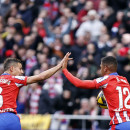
column 102, row 82
column 20, row 80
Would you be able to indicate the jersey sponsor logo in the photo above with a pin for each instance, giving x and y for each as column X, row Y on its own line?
column 3, row 80
column 98, row 80
column 19, row 77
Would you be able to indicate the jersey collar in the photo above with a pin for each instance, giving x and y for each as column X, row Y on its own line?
column 5, row 74
column 115, row 73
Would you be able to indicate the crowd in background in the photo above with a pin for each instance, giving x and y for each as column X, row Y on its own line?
column 41, row 32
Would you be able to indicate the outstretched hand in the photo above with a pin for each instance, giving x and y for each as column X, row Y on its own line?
column 65, row 60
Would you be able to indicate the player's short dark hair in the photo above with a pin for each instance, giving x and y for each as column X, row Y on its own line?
column 110, row 61
column 9, row 62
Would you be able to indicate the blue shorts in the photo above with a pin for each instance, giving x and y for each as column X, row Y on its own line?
column 9, row 121
column 121, row 126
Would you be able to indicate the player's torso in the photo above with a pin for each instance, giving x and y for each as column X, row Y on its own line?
column 8, row 94
column 117, row 94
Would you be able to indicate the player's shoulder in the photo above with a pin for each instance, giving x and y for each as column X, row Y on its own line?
column 5, row 76
column 101, row 79
column 121, row 79
column 12, row 77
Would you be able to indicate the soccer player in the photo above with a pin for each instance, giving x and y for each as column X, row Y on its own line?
column 116, row 90
column 10, row 83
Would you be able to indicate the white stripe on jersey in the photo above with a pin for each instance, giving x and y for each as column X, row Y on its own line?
column 126, row 116
column 18, row 85
column 100, row 79
column 118, row 117
column 20, row 77
column 104, row 86
column 113, row 119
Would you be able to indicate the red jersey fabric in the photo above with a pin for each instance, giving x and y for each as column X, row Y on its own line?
column 116, row 91
column 9, row 89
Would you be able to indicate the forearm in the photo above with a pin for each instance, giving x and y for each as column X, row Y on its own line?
column 86, row 84
column 44, row 75
column 48, row 73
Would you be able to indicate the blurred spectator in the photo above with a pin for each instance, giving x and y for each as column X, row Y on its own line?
column 123, row 57
column 102, row 6
column 58, row 31
column 126, row 18
column 22, row 100
column 83, row 12
column 25, row 13
column 2, row 50
column 104, row 45
column 84, row 110
column 5, row 6
column 31, row 61
column 41, row 58
column 66, row 47
column 77, row 50
column 93, row 25
column 118, row 22
column 121, row 4
column 12, row 12
column 94, row 110
column 108, row 18
column 54, row 85
column 45, row 105
column 77, row 6
column 34, row 93
column 92, row 54
column 63, row 104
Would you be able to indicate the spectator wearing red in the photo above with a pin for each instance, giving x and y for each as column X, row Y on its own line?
column 83, row 12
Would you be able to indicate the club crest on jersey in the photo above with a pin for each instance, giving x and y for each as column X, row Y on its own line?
column 101, row 79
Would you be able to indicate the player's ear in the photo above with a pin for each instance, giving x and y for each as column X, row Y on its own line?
column 11, row 68
column 105, row 68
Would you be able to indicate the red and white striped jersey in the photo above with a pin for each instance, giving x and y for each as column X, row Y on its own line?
column 9, row 89
column 116, row 90
column 34, row 96
column 117, row 93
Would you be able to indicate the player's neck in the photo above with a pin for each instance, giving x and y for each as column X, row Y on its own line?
column 7, row 72
column 110, row 72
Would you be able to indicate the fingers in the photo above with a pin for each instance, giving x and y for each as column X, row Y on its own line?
column 66, row 57
column 68, row 54
column 70, row 59
column 65, row 60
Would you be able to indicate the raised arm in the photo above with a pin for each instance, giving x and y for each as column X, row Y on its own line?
column 86, row 84
column 46, row 74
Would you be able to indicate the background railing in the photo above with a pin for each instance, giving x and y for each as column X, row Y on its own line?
column 81, row 117
column 54, row 122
